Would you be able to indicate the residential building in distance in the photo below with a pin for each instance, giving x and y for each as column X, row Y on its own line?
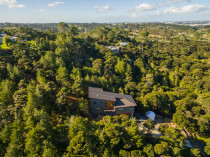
column 115, row 49
column 123, row 44
column 13, row 39
column 109, row 103
column 2, row 35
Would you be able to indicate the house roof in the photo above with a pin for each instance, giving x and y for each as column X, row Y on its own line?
column 122, row 100
column 123, row 43
column 112, row 47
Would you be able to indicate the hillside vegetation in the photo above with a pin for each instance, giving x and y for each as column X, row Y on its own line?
column 43, row 89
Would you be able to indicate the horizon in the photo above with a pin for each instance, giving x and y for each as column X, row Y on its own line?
column 164, row 22
column 136, row 11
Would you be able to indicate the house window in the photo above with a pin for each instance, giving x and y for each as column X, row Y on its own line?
column 94, row 102
column 131, row 108
column 109, row 105
column 97, row 109
column 121, row 109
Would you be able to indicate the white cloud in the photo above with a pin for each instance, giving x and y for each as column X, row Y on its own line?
column 53, row 4
column 103, row 8
column 144, row 7
column 11, row 3
column 186, row 9
column 175, row 1
column 43, row 11
column 148, row 7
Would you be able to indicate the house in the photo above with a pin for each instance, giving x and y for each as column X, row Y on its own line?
column 109, row 103
column 115, row 49
column 2, row 35
column 123, row 44
column 13, row 39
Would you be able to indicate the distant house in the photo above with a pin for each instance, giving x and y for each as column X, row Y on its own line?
column 2, row 34
column 123, row 44
column 109, row 103
column 115, row 49
column 131, row 37
column 13, row 39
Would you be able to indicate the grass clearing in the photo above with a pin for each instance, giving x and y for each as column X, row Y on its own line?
column 4, row 47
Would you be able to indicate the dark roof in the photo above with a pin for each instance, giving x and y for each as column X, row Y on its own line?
column 122, row 100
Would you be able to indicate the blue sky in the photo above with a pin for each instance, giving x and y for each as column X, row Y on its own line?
column 50, row 11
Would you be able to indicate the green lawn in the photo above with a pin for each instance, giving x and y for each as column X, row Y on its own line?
column 4, row 47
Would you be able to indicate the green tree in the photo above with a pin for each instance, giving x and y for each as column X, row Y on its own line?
column 98, row 65
column 73, row 31
column 78, row 130
column 77, row 81
column 123, row 153
column 149, row 151
column 207, row 148
column 62, row 27
column 162, row 148
column 195, row 152
column 16, row 146
column 197, row 35
column 39, row 132
column 7, row 89
column 62, row 76
column 136, row 153
column 83, row 107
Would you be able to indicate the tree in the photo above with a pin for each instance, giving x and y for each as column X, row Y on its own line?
column 143, row 35
column 149, row 151
column 62, row 76
column 120, row 67
column 14, row 72
column 78, row 130
column 124, row 153
column 149, row 124
column 7, row 89
column 16, row 146
column 77, row 81
column 136, row 153
column 181, row 120
column 83, row 107
column 73, row 31
column 207, row 148
column 61, row 100
column 62, row 27
column 128, row 74
column 98, row 64
column 195, row 152
column 39, row 133
column 197, row 35
column 162, row 148
column 49, row 150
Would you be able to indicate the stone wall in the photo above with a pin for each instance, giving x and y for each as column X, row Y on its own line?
column 97, row 106
column 125, row 110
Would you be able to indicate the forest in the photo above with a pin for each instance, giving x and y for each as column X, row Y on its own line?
column 45, row 74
